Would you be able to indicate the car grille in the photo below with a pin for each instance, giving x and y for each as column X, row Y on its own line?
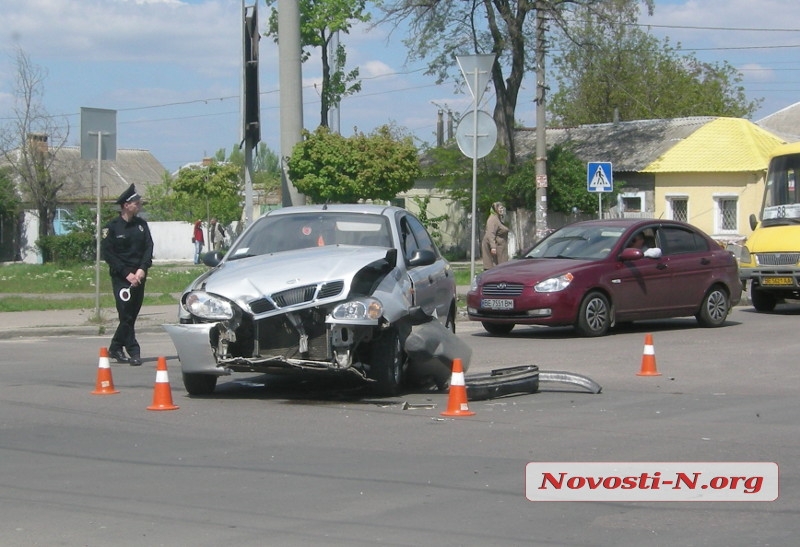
column 278, row 336
column 777, row 259
column 502, row 289
column 297, row 295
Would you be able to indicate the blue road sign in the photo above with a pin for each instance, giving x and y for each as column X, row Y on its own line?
column 599, row 177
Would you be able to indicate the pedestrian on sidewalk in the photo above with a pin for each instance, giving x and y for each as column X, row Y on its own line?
column 198, row 240
column 127, row 247
column 216, row 235
column 494, row 248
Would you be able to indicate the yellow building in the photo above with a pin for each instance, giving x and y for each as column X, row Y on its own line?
column 714, row 178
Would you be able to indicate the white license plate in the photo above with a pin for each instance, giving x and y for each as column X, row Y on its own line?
column 497, row 303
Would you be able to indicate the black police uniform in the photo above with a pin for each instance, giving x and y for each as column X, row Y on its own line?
column 127, row 246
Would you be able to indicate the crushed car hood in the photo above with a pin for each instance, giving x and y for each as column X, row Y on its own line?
column 245, row 279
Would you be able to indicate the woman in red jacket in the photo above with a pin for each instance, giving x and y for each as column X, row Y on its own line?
column 198, row 240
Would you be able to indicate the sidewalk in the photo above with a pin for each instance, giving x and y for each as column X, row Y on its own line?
column 78, row 322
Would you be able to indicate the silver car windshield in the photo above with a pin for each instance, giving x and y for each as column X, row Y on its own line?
column 578, row 242
column 279, row 233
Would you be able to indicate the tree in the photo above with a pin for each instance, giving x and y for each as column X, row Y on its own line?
column 327, row 167
column 441, row 29
column 320, row 20
column 566, row 179
column 211, row 190
column 618, row 71
column 30, row 144
column 452, row 171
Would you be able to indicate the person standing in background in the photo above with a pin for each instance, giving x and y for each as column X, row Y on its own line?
column 198, row 240
column 216, row 235
column 494, row 248
column 127, row 247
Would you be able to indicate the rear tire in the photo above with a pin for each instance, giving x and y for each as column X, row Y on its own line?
column 762, row 301
column 386, row 362
column 594, row 317
column 199, row 384
column 497, row 329
column 714, row 309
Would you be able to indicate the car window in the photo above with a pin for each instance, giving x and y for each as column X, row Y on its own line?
column 274, row 234
column 673, row 240
column 578, row 242
column 421, row 235
column 407, row 239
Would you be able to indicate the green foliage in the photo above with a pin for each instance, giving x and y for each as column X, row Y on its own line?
column 618, row 69
column 320, row 20
column 328, row 167
column 430, row 222
column 566, row 184
column 71, row 248
column 80, row 244
column 198, row 192
column 10, row 203
column 452, row 171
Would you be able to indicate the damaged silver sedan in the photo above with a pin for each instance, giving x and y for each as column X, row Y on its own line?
column 336, row 289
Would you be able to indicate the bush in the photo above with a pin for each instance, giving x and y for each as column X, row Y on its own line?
column 72, row 248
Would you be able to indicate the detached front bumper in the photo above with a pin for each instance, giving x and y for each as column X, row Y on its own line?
column 192, row 342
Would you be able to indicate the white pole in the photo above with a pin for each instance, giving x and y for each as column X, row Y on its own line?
column 97, row 228
column 474, row 172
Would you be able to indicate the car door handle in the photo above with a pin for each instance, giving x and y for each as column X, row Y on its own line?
column 705, row 261
column 661, row 266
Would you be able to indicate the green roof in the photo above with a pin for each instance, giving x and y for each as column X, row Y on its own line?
column 719, row 146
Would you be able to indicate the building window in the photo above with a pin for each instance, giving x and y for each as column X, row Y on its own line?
column 632, row 202
column 726, row 214
column 678, row 208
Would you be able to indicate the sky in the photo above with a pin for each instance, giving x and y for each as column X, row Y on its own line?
column 171, row 68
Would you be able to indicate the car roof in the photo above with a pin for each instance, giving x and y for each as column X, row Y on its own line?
column 366, row 208
column 634, row 222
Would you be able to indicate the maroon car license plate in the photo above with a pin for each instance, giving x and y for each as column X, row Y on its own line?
column 497, row 303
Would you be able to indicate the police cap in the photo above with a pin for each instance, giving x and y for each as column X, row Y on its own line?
column 128, row 196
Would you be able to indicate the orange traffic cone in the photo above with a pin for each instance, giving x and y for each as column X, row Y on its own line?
column 457, row 401
column 105, row 383
column 648, row 358
column 162, row 394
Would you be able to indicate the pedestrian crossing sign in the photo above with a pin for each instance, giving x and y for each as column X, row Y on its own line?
column 599, row 177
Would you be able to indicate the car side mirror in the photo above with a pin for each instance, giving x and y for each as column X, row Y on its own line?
column 631, row 253
column 422, row 257
column 753, row 222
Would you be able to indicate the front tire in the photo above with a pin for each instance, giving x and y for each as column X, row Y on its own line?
column 199, row 384
column 498, row 329
column 594, row 317
column 714, row 309
column 386, row 362
column 762, row 301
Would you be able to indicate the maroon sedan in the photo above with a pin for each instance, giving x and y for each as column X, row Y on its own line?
column 594, row 274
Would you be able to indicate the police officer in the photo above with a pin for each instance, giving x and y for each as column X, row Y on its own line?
column 128, row 249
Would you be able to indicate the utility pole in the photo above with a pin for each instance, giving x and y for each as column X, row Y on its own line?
column 541, row 125
column 291, row 91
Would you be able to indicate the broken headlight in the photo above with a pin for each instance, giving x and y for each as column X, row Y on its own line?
column 207, row 306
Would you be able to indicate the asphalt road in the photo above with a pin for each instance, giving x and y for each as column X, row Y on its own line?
column 266, row 461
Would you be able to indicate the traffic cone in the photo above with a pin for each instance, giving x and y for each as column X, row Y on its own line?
column 162, row 394
column 105, row 383
column 457, row 400
column 648, row 358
